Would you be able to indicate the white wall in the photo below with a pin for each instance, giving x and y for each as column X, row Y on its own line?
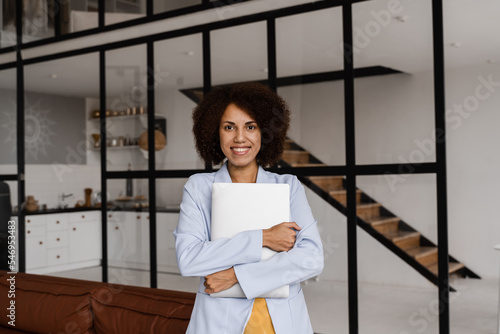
column 394, row 124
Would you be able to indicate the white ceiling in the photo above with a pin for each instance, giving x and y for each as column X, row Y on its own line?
column 306, row 43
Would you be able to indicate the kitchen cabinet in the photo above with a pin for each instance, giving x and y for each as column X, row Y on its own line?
column 85, row 236
column 165, row 225
column 57, row 240
column 36, row 243
column 118, row 246
column 62, row 241
column 128, row 240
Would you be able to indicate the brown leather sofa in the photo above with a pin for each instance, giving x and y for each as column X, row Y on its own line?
column 46, row 304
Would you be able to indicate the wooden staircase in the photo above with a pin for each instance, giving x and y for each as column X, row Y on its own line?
column 374, row 218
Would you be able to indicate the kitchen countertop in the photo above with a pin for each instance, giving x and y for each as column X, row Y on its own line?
column 160, row 209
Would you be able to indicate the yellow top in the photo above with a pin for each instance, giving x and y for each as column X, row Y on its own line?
column 260, row 320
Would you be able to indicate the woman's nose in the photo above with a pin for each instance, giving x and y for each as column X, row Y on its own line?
column 239, row 136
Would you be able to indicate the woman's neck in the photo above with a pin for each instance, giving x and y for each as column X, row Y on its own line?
column 246, row 174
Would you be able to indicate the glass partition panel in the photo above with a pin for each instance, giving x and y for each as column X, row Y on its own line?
column 326, row 295
column 126, row 116
column 128, row 233
column 404, row 213
column 310, row 44
column 59, row 166
column 160, row 6
column 178, row 88
column 472, row 60
column 316, row 135
column 395, row 111
column 168, row 199
column 8, row 36
column 78, row 15
column 8, row 121
column 38, row 19
column 61, row 173
column 124, row 10
column 40, row 16
column 239, row 54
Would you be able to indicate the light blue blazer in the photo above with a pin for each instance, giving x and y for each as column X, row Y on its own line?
column 198, row 256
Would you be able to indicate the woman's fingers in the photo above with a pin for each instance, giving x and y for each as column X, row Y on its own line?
column 220, row 281
column 293, row 225
column 281, row 237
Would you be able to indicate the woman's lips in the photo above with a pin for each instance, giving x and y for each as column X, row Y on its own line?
column 240, row 150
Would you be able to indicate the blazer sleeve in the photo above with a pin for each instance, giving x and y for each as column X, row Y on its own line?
column 196, row 254
column 303, row 261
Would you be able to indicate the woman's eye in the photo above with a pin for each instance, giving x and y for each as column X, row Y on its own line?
column 228, row 127
column 252, row 127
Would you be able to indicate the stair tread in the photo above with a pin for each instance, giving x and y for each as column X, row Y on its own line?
column 308, row 164
column 368, row 205
column 295, row 152
column 325, row 178
column 419, row 252
column 401, row 235
column 452, row 267
column 381, row 220
column 342, row 191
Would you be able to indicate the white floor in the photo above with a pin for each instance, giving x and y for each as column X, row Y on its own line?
column 382, row 309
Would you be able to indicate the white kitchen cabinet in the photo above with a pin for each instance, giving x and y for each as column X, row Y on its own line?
column 62, row 241
column 84, row 236
column 57, row 257
column 36, row 252
column 116, row 238
column 128, row 240
column 124, row 240
column 36, row 243
column 165, row 226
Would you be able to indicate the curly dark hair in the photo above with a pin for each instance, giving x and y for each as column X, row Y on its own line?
column 261, row 103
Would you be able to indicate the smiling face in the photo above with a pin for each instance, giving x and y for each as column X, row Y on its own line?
column 239, row 139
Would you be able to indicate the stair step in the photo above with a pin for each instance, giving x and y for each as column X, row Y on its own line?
column 368, row 211
column 426, row 256
column 404, row 239
column 341, row 196
column 384, row 224
column 288, row 144
column 293, row 156
column 300, row 164
column 452, row 267
column 328, row 183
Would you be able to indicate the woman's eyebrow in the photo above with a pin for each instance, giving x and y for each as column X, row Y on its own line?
column 249, row 122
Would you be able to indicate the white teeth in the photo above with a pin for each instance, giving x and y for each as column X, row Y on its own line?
column 240, row 149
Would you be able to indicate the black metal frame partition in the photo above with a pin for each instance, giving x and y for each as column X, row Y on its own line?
column 351, row 170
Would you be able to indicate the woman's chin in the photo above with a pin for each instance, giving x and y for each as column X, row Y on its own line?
column 242, row 163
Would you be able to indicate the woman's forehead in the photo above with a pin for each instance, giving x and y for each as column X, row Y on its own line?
column 233, row 113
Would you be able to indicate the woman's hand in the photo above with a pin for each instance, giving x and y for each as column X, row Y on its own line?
column 220, row 281
column 281, row 237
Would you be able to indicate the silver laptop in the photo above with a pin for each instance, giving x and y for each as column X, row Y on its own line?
column 238, row 207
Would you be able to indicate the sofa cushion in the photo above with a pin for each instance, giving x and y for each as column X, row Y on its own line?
column 47, row 304
column 119, row 309
column 11, row 330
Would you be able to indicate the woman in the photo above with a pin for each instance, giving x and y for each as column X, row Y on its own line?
column 245, row 124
